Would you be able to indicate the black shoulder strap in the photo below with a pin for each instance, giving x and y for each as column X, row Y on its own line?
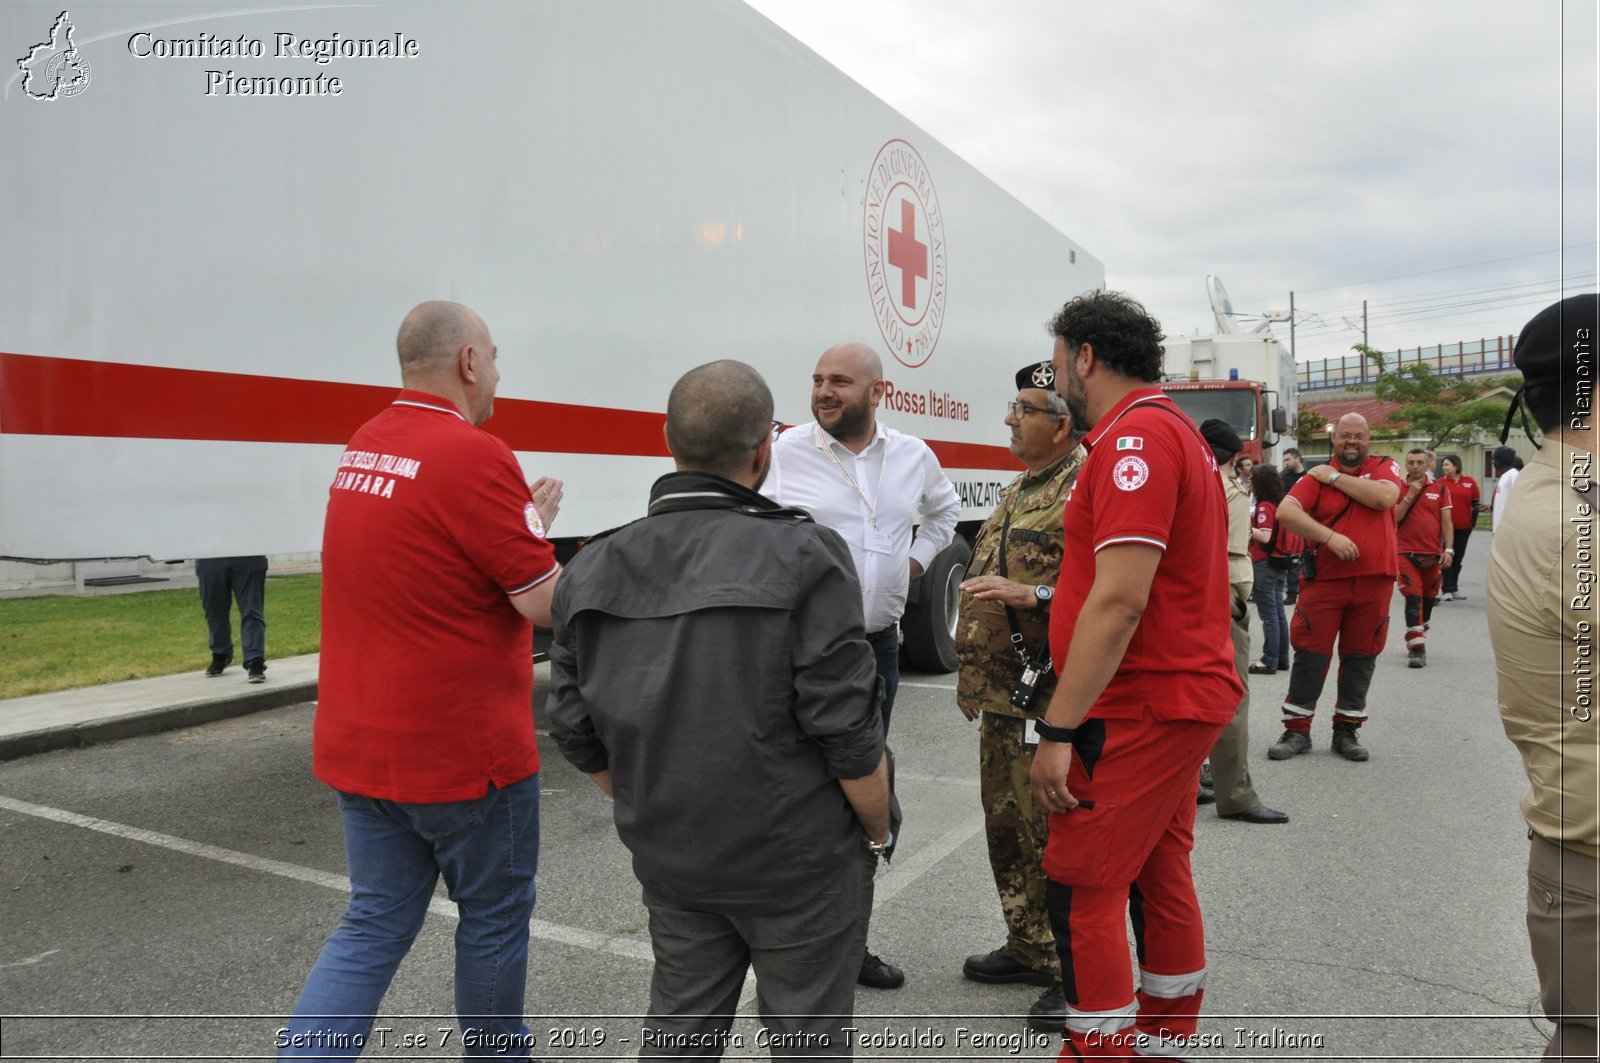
column 799, row 516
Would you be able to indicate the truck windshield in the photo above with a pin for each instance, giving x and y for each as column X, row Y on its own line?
column 1237, row 407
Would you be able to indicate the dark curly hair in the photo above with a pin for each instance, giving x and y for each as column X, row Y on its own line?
column 1125, row 338
column 1266, row 484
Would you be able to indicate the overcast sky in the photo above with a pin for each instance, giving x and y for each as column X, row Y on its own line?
column 1407, row 152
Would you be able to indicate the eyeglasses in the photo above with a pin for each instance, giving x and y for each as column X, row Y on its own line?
column 772, row 435
column 1022, row 409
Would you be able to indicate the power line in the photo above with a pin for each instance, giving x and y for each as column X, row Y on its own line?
column 1404, row 276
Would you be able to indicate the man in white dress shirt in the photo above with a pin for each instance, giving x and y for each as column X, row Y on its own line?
column 872, row 485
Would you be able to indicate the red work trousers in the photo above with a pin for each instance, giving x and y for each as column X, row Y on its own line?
column 1354, row 613
column 1123, row 854
column 1419, row 586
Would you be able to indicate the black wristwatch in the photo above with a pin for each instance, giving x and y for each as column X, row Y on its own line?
column 1043, row 594
column 1052, row 733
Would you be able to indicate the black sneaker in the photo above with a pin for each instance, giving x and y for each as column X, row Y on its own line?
column 1346, row 744
column 1417, row 658
column 1049, row 1012
column 1292, row 744
column 875, row 974
column 257, row 670
column 219, row 661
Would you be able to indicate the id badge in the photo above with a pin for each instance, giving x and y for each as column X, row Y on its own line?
column 1030, row 732
column 878, row 542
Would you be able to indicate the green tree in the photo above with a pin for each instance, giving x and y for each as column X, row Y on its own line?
column 1446, row 409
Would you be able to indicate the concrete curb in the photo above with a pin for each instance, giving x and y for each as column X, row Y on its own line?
column 150, row 721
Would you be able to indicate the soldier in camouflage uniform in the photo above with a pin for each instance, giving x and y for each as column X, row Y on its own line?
column 1029, row 513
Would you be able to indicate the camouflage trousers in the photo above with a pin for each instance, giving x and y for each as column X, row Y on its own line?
column 1016, row 836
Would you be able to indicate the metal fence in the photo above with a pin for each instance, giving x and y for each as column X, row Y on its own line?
column 1445, row 359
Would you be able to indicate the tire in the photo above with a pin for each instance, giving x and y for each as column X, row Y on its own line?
column 928, row 627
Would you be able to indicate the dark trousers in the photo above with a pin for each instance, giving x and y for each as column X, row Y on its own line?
column 1230, row 757
column 224, row 580
column 1452, row 575
column 886, row 648
column 806, row 959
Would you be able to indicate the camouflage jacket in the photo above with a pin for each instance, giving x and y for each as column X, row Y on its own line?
column 990, row 663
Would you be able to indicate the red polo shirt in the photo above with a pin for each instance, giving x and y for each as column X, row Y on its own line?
column 426, row 685
column 1463, row 493
column 1372, row 530
column 1151, row 479
column 1422, row 530
column 1264, row 517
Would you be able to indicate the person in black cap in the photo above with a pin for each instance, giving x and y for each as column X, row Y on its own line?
column 1234, row 792
column 1542, row 617
column 1003, row 632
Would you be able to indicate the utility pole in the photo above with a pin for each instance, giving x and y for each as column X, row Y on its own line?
column 1291, row 328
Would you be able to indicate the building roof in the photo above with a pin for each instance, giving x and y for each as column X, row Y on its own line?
column 1376, row 411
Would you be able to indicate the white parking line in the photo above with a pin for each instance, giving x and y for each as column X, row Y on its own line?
column 900, row 877
column 926, row 685
column 630, row 947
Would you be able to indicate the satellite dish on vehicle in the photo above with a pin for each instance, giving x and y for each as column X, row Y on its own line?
column 1221, row 307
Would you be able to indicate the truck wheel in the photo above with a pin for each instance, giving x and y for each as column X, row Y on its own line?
column 928, row 628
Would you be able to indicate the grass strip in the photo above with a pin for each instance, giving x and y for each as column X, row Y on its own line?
column 59, row 642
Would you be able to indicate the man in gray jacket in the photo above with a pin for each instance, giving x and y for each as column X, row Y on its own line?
column 710, row 671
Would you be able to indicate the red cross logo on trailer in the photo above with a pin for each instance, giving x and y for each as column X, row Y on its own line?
column 904, row 250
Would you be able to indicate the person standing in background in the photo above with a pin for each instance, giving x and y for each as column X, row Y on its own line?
column 1465, row 504
column 224, row 580
column 1506, row 471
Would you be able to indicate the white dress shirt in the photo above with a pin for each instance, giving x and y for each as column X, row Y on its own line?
column 872, row 499
column 1502, row 491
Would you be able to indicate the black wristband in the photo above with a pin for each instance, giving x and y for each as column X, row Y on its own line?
column 1052, row 733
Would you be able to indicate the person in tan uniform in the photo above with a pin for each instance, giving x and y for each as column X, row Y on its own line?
column 1003, row 631
column 1230, row 771
column 1543, row 624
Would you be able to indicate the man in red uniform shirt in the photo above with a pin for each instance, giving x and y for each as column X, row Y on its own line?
column 1465, row 502
column 1140, row 637
column 434, row 561
column 1342, row 510
column 1425, row 536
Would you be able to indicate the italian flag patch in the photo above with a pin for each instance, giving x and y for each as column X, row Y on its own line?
column 1130, row 442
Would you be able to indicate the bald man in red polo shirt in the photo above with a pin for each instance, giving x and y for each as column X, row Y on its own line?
column 1140, row 636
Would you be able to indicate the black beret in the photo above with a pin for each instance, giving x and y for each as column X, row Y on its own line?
column 1550, row 345
column 1037, row 375
column 1221, row 436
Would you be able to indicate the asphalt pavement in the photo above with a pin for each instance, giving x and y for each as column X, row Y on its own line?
column 166, row 887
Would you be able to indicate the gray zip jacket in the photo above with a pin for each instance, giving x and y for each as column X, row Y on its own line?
column 712, row 657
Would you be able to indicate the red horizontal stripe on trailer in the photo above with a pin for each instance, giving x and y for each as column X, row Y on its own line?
column 972, row 456
column 77, row 397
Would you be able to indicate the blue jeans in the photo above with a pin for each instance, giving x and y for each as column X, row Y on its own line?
column 1274, row 621
column 487, row 850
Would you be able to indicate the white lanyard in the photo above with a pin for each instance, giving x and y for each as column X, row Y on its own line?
column 883, row 458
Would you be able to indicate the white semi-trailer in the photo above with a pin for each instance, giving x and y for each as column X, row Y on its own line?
column 217, row 214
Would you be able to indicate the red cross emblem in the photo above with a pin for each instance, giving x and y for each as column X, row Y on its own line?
column 902, row 230
column 908, row 254
column 1130, row 473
